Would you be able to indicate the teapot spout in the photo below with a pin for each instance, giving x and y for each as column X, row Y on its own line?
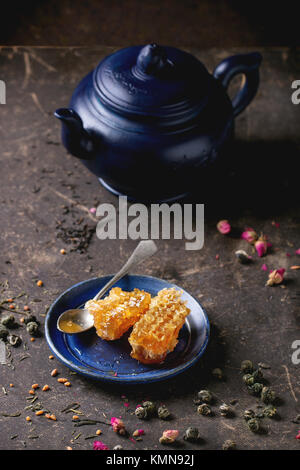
column 75, row 138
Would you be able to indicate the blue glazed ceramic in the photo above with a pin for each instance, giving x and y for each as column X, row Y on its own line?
column 149, row 119
column 110, row 361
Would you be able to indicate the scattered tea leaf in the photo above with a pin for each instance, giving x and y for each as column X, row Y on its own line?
column 11, row 415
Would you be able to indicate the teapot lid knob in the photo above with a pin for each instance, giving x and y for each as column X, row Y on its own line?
column 152, row 59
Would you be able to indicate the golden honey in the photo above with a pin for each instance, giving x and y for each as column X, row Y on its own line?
column 155, row 334
column 117, row 312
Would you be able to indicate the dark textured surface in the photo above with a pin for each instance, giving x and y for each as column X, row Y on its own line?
column 248, row 319
column 192, row 23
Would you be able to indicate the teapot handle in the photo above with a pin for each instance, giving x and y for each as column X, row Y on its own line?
column 246, row 64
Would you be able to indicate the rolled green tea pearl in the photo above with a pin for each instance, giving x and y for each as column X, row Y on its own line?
column 267, row 395
column 205, row 396
column 3, row 332
column 225, row 410
column 217, row 373
column 141, row 413
column 248, row 379
column 270, row 411
column 191, row 435
column 247, row 366
column 204, row 410
column 150, row 407
column 257, row 375
column 29, row 319
column 229, row 445
column 253, row 424
column 163, row 412
column 14, row 340
column 248, row 414
column 255, row 389
column 243, row 257
column 32, row 328
column 8, row 321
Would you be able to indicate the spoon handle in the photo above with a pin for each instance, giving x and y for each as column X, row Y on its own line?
column 144, row 250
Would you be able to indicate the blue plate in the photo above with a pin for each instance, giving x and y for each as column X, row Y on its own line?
column 110, row 361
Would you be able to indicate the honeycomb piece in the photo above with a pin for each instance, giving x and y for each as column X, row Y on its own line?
column 117, row 312
column 156, row 332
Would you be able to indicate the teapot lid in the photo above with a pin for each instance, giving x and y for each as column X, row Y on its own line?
column 152, row 81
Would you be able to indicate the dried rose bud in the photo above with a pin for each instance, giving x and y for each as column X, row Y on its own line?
column 169, row 436
column 276, row 277
column 261, row 245
column 275, row 224
column 249, row 235
column 224, row 227
column 297, row 252
column 298, row 435
column 98, row 445
column 264, row 267
column 138, row 432
column 118, row 425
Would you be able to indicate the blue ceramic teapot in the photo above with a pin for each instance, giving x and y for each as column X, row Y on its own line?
column 149, row 119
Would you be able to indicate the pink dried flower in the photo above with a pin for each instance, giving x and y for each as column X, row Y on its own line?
column 264, row 267
column 169, row 436
column 276, row 277
column 298, row 435
column 276, row 224
column 138, row 432
column 249, row 235
column 224, row 227
column 98, row 445
column 297, row 252
column 93, row 210
column 261, row 245
column 118, row 425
